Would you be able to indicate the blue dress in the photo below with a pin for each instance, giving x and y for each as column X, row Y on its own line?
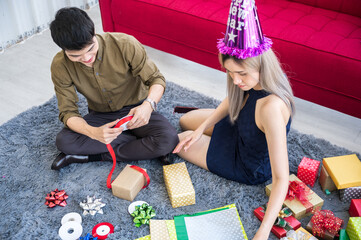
column 239, row 152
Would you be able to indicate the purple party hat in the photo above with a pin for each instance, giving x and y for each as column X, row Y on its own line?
column 244, row 37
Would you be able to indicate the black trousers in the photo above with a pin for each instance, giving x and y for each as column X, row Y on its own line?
column 153, row 140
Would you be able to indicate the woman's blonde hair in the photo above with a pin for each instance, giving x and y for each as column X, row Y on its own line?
column 271, row 78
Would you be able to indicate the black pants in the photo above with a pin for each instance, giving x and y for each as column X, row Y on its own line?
column 155, row 139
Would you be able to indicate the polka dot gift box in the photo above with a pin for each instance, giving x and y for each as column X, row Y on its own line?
column 308, row 171
column 350, row 193
column 353, row 228
column 179, row 185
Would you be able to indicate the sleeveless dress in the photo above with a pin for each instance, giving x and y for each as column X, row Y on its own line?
column 239, row 152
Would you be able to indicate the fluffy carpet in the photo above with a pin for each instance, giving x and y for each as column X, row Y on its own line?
column 27, row 150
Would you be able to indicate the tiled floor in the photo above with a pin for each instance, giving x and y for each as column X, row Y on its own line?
column 25, row 82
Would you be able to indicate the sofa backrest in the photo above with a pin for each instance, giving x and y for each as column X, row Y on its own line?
column 352, row 7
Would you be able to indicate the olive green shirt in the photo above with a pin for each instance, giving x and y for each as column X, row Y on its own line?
column 121, row 75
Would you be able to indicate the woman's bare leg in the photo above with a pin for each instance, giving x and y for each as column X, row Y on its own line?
column 192, row 120
column 197, row 153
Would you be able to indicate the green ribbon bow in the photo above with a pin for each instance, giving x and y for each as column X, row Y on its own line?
column 280, row 221
column 142, row 214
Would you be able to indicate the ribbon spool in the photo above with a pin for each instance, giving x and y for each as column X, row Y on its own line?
column 102, row 230
column 70, row 231
column 71, row 228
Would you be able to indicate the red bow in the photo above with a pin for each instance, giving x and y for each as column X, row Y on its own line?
column 300, row 191
column 325, row 220
column 56, row 197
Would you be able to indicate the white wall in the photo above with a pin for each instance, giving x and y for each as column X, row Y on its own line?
column 20, row 19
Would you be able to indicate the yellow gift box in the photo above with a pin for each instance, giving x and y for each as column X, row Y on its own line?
column 162, row 230
column 345, row 171
column 353, row 228
column 179, row 185
column 298, row 210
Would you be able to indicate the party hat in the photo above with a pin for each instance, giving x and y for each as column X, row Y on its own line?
column 244, row 37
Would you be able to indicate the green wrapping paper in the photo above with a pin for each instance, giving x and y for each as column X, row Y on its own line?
column 221, row 223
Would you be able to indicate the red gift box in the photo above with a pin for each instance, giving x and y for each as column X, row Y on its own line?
column 355, row 208
column 278, row 231
column 308, row 170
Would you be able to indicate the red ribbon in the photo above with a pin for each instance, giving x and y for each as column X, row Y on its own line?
column 111, row 151
column 300, row 191
column 325, row 220
column 56, row 197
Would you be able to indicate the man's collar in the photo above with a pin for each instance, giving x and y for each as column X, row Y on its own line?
column 100, row 48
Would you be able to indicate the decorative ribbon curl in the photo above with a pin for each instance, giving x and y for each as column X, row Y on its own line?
column 142, row 214
column 56, row 197
column 88, row 237
column 300, row 191
column 325, row 220
column 280, row 221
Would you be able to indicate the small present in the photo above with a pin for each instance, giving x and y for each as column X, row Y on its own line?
column 162, row 230
column 300, row 198
column 179, row 185
column 326, row 181
column 345, row 171
column 353, row 228
column 144, row 238
column 355, row 208
column 299, row 234
column 350, row 193
column 308, row 171
column 129, row 182
column 284, row 222
column 343, row 235
column 324, row 224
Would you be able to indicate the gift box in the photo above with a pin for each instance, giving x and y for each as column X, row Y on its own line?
column 284, row 219
column 144, row 238
column 343, row 235
column 350, row 193
column 179, row 185
column 162, row 230
column 353, row 228
column 345, row 171
column 299, row 234
column 355, row 208
column 324, row 225
column 300, row 208
column 308, row 171
column 326, row 181
column 128, row 183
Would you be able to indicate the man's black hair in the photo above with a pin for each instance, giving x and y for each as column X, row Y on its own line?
column 72, row 29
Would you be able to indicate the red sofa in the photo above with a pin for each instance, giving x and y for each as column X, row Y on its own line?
column 318, row 41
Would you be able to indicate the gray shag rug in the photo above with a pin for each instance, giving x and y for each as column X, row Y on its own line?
column 27, row 150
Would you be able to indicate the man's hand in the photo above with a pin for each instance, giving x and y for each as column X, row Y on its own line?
column 106, row 134
column 141, row 115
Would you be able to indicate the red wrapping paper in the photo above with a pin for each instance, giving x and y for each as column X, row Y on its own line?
column 308, row 171
column 278, row 231
column 355, row 208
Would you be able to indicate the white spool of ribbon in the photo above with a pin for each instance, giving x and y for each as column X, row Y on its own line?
column 71, row 230
column 73, row 216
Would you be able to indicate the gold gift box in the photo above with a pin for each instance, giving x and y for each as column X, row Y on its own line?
column 298, row 210
column 345, row 171
column 128, row 183
column 179, row 185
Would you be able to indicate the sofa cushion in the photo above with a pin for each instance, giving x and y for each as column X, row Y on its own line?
column 352, row 7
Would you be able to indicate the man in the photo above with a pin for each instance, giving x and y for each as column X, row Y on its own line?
column 117, row 78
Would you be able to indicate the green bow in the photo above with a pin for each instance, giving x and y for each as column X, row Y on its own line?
column 142, row 214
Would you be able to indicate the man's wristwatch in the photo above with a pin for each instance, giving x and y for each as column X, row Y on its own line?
column 152, row 103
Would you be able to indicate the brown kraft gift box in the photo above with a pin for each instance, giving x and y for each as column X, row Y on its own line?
column 128, row 183
column 325, row 180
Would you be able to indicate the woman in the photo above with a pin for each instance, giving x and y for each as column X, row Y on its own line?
column 245, row 138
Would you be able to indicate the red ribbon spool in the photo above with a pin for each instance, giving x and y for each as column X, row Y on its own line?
column 102, row 230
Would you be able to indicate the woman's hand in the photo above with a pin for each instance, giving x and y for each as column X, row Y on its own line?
column 141, row 115
column 188, row 141
column 106, row 134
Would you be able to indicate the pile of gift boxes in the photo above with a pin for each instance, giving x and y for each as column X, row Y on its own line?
column 341, row 174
